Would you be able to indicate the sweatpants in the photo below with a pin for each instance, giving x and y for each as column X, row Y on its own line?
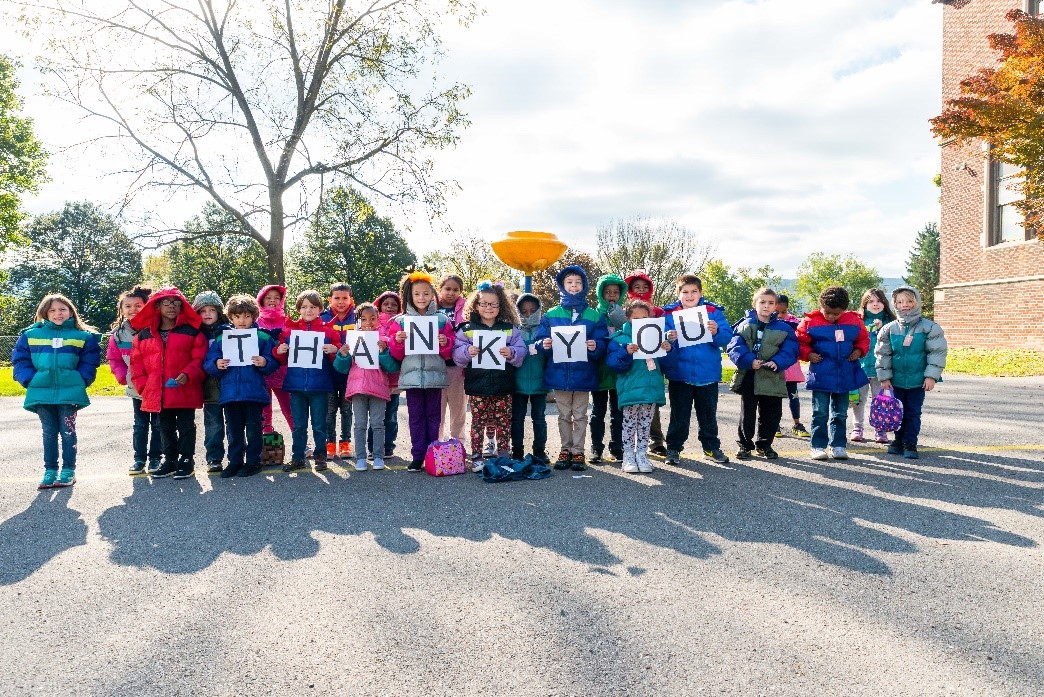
column 425, row 411
column 683, row 398
column 605, row 401
column 572, row 419
column 283, row 397
column 178, row 435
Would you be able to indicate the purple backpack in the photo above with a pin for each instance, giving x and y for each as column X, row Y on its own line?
column 886, row 412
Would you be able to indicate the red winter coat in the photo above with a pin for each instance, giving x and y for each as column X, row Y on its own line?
column 154, row 362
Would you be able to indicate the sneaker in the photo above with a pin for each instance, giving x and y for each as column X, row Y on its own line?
column 779, row 434
column 138, row 467
column 477, row 463
column 360, row 465
column 579, row 463
column 644, row 466
column 542, row 457
column 154, row 464
column 743, row 453
column 66, row 477
column 881, row 436
column 370, row 455
column 389, row 452
column 344, row 449
column 818, row 454
column 294, row 465
column 658, row 451
column 910, row 453
column 320, row 464
column 616, row 454
column 767, row 453
column 415, row 466
column 673, row 457
column 857, row 436
column 49, row 478
column 164, row 470
column 839, row 453
column 517, row 455
column 630, row 462
column 716, row 456
column 230, row 471
column 331, row 450
column 895, row 448
column 378, row 463
column 596, row 457
column 563, row 460
column 213, row 467
column 800, row 431
column 309, row 452
column 185, row 471
column 248, row 470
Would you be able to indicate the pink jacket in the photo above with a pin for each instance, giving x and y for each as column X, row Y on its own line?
column 273, row 320
column 384, row 320
column 794, row 372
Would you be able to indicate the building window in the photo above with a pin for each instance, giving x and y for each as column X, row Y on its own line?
column 1033, row 7
column 1005, row 218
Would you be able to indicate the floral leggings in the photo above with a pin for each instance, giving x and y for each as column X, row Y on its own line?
column 637, row 420
column 490, row 413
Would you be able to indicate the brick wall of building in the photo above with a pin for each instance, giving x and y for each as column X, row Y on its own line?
column 1013, row 317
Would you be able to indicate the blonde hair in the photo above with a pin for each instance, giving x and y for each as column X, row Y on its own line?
column 764, row 290
column 50, row 299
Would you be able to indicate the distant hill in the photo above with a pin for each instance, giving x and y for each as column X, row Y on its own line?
column 890, row 284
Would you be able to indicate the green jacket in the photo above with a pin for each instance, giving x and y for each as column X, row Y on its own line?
column 778, row 344
column 615, row 318
column 55, row 363
column 635, row 383
column 925, row 357
column 529, row 378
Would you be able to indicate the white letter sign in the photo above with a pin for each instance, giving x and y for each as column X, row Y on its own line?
column 362, row 347
column 489, row 344
column 238, row 346
column 422, row 335
column 692, row 326
column 306, row 349
column 648, row 335
column 569, row 344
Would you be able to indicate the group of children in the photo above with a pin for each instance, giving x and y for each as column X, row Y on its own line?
column 169, row 354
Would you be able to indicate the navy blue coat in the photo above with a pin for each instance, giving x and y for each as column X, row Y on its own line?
column 242, row 383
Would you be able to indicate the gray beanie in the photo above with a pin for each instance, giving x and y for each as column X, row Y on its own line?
column 208, row 297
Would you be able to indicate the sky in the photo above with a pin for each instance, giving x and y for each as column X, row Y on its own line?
column 769, row 128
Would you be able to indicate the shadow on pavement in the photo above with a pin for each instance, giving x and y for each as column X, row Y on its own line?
column 180, row 528
column 50, row 526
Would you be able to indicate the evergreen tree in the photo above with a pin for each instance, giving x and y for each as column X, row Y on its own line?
column 922, row 269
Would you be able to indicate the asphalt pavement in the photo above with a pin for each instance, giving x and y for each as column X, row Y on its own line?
column 873, row 576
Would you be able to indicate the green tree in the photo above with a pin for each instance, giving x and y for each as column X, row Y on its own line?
column 664, row 249
column 734, row 289
column 214, row 256
column 922, row 268
column 257, row 105
column 821, row 270
column 472, row 258
column 348, row 241
column 22, row 156
column 545, row 288
column 80, row 252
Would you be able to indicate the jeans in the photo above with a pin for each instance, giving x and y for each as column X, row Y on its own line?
column 601, row 400
column 55, row 420
column 302, row 406
column 794, row 399
column 765, row 410
column 335, row 404
column 391, row 427
column 367, row 412
column 146, row 437
column 178, row 434
column 538, row 406
column 214, row 433
column 832, row 407
column 243, row 425
column 913, row 401
column 683, row 398
column 425, row 409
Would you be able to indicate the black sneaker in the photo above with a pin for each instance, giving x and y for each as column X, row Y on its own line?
column 517, row 455
column 320, row 464
column 230, row 471
column 657, row 450
column 910, row 452
column 616, row 455
column 249, row 470
column 137, row 468
column 154, row 464
column 542, row 456
column 294, row 465
column 743, row 453
column 185, row 470
column 716, row 456
column 415, row 466
column 767, row 453
column 563, row 461
column 895, row 448
column 596, row 457
column 389, row 452
column 164, row 470
column 214, row 467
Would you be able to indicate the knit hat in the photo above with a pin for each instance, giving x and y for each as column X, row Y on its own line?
column 207, row 297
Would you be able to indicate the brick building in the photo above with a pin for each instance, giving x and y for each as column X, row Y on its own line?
column 991, row 285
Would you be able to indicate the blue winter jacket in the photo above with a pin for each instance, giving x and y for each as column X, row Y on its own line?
column 635, row 383
column 580, row 376
column 699, row 364
column 241, row 383
column 835, row 373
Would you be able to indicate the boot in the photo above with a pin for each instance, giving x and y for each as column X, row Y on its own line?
column 630, row 464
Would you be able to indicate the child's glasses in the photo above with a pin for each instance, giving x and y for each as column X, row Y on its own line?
column 169, row 302
column 491, row 306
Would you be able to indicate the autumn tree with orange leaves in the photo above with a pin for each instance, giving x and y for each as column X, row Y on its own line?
column 1004, row 106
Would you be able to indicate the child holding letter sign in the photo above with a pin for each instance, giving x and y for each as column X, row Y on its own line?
column 422, row 375
column 367, row 386
column 572, row 380
column 693, row 369
column 307, row 379
column 242, row 392
column 489, row 348
column 639, row 384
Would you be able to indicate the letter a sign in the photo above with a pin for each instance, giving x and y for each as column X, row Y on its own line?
column 692, row 326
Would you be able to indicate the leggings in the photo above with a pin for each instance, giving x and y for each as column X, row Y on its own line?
column 637, row 421
column 492, row 412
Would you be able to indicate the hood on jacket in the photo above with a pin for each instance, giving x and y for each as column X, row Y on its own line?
column 610, row 279
column 572, row 300
column 639, row 275
column 534, row 319
column 911, row 315
column 271, row 316
column 384, row 296
column 149, row 316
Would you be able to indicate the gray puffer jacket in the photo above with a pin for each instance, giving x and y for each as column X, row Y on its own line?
column 421, row 372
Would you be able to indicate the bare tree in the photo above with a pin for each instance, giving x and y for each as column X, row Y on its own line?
column 663, row 248
column 258, row 104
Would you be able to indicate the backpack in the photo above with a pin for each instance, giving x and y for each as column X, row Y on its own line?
column 445, row 458
column 273, row 450
column 886, row 412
